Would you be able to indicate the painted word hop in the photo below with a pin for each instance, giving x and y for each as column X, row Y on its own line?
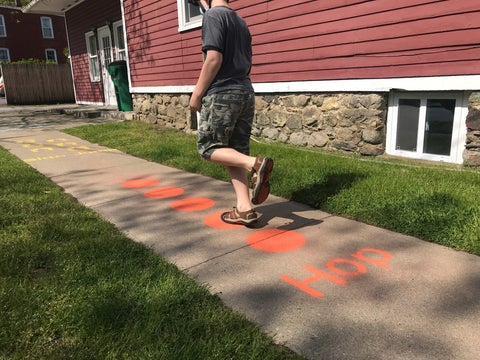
column 337, row 274
column 274, row 241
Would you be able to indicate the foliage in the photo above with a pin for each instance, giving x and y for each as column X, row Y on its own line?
column 33, row 61
column 14, row 2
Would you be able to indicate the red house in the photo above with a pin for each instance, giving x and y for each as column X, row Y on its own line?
column 366, row 76
column 96, row 38
column 31, row 36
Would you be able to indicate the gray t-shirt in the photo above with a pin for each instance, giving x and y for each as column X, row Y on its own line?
column 225, row 31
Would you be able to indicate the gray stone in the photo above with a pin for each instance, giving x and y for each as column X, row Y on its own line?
column 184, row 100
column 270, row 133
column 474, row 97
column 151, row 119
column 277, row 116
column 371, row 150
column 283, row 138
column 344, row 145
column 372, row 136
column 299, row 139
column 343, row 133
column 473, row 119
column 317, row 140
column 260, row 103
column 330, row 104
column 172, row 112
column 262, row 119
column 317, row 100
column 471, row 158
column 311, row 114
column 295, row 101
column 294, row 122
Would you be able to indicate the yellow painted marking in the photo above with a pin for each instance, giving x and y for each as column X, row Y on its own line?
column 44, row 158
column 59, row 143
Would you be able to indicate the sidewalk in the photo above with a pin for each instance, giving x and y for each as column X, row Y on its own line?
column 325, row 286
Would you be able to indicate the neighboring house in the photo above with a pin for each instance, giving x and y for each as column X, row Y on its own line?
column 31, row 36
column 96, row 38
column 372, row 77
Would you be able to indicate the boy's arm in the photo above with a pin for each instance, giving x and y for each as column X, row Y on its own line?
column 210, row 68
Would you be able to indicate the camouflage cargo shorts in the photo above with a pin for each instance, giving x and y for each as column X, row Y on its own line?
column 226, row 121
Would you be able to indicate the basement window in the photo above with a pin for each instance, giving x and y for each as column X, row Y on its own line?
column 427, row 126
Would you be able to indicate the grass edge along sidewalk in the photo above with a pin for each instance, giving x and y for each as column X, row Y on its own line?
column 439, row 203
column 73, row 286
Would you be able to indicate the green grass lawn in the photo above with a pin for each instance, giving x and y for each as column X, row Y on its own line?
column 438, row 203
column 72, row 286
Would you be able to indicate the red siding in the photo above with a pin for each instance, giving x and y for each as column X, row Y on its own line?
column 91, row 14
column 25, row 39
column 316, row 40
column 158, row 53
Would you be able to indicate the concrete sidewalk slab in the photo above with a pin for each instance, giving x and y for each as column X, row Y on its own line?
column 325, row 286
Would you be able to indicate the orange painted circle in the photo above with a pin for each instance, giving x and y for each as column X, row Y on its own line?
column 163, row 193
column 139, row 183
column 276, row 240
column 192, row 204
column 215, row 221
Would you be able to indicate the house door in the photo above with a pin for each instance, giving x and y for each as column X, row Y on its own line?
column 106, row 57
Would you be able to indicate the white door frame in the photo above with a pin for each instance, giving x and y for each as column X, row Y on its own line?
column 105, row 48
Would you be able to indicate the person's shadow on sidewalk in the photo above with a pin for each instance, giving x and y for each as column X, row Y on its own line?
column 290, row 212
column 317, row 193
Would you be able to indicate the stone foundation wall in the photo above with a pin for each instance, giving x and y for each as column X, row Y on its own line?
column 471, row 155
column 350, row 122
column 345, row 122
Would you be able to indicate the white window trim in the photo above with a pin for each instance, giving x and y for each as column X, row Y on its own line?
column 459, row 131
column 183, row 25
column 439, row 83
column 50, row 25
column 90, row 56
column 54, row 52
column 116, row 25
column 3, row 26
column 8, row 54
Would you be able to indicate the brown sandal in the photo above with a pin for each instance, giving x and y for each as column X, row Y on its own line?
column 240, row 217
column 260, row 180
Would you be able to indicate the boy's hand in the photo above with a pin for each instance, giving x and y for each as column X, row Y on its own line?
column 195, row 103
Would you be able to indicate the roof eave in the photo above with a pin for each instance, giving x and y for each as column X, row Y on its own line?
column 55, row 7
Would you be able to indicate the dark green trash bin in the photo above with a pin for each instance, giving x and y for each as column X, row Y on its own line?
column 119, row 74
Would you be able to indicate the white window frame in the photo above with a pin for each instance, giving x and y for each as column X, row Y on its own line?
column 459, row 130
column 120, row 52
column 184, row 23
column 93, row 57
column 54, row 52
column 47, row 27
column 8, row 55
column 3, row 28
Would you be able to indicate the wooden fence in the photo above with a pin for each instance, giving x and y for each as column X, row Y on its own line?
column 38, row 84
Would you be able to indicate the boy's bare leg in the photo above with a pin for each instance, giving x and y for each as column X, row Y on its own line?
column 237, row 165
column 231, row 157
